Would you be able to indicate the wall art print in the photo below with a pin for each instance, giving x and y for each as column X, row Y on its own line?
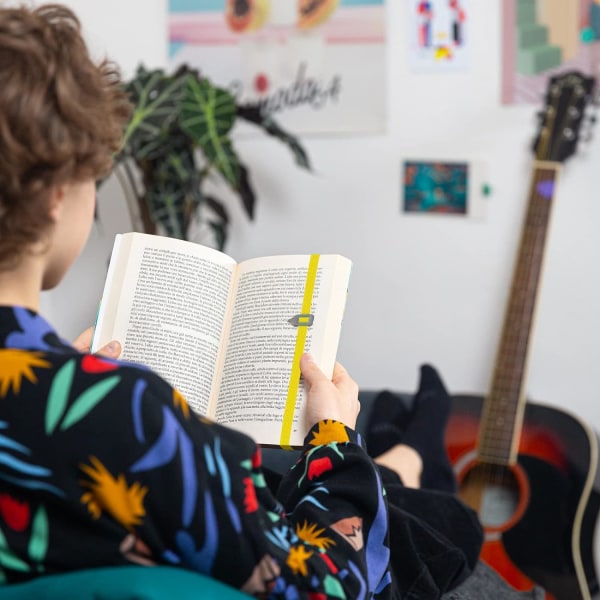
column 444, row 187
column 317, row 66
column 438, row 35
column 543, row 38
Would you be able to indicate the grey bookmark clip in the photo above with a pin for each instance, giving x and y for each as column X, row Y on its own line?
column 302, row 320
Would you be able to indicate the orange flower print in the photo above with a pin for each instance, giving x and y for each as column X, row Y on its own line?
column 15, row 365
column 313, row 536
column 297, row 558
column 180, row 402
column 112, row 495
column 329, row 431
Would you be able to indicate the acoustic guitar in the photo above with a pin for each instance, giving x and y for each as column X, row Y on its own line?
column 531, row 471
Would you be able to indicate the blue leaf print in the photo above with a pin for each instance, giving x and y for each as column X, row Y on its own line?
column 33, row 331
column 164, row 449
column 210, row 461
column 234, row 514
column 189, row 478
column 23, row 469
column 377, row 554
column 279, row 537
column 359, row 577
column 8, row 443
column 223, row 470
column 171, row 439
column 136, row 409
column 201, row 560
column 31, row 485
column 387, row 580
column 17, row 464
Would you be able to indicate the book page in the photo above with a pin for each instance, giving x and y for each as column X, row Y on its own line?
column 166, row 300
column 262, row 341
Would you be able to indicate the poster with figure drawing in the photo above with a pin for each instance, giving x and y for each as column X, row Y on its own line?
column 438, row 34
column 543, row 38
column 317, row 66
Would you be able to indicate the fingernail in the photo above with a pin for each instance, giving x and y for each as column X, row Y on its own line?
column 113, row 347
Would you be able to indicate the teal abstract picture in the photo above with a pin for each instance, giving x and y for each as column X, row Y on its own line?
column 436, row 187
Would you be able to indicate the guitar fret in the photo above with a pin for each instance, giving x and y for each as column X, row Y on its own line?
column 504, row 402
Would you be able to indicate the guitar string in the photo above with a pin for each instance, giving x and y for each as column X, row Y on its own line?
column 532, row 246
column 538, row 215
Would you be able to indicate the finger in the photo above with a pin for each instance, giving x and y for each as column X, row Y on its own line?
column 310, row 370
column 84, row 340
column 111, row 350
column 342, row 380
column 339, row 372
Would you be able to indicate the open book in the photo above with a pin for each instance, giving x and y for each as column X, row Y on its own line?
column 228, row 336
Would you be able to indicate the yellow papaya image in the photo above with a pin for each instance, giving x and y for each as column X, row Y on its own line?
column 315, row 12
column 246, row 15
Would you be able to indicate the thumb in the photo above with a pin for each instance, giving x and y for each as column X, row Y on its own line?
column 310, row 370
column 111, row 350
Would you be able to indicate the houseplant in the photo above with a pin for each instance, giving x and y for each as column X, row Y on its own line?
column 178, row 136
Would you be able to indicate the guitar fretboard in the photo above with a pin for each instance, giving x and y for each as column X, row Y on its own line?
column 503, row 409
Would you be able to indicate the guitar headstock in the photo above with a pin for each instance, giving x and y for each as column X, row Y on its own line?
column 567, row 97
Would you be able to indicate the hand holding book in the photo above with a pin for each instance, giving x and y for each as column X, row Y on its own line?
column 229, row 336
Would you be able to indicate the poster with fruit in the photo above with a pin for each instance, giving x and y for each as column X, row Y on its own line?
column 317, row 66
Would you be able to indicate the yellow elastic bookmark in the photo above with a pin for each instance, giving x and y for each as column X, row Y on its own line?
column 290, row 403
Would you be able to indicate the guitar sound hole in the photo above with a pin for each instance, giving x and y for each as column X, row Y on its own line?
column 492, row 491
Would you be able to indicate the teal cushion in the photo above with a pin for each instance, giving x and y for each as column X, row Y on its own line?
column 122, row 583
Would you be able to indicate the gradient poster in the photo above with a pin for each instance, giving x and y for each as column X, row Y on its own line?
column 317, row 66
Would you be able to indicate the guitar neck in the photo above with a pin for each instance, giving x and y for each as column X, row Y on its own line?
column 503, row 408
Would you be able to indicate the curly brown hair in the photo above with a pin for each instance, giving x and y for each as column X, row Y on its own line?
column 61, row 118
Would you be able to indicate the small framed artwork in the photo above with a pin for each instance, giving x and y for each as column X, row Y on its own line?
column 442, row 187
column 438, row 35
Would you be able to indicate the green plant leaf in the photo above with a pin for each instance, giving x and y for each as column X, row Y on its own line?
column 59, row 395
column 246, row 192
column 178, row 135
column 156, row 99
column 88, row 400
column 207, row 116
column 253, row 114
column 167, row 206
column 38, row 543
column 220, row 234
column 218, row 208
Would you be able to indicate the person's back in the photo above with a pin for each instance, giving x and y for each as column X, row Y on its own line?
column 102, row 463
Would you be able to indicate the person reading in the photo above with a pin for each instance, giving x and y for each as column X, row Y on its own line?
column 104, row 463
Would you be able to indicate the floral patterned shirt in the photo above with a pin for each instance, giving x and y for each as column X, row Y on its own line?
column 103, row 463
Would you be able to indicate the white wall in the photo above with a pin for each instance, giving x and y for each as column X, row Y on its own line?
column 423, row 289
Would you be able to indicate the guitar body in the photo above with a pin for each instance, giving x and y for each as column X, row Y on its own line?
column 539, row 514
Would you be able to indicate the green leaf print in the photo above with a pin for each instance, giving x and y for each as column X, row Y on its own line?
column 10, row 560
column 38, row 543
column 59, row 394
column 333, row 588
column 88, row 400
